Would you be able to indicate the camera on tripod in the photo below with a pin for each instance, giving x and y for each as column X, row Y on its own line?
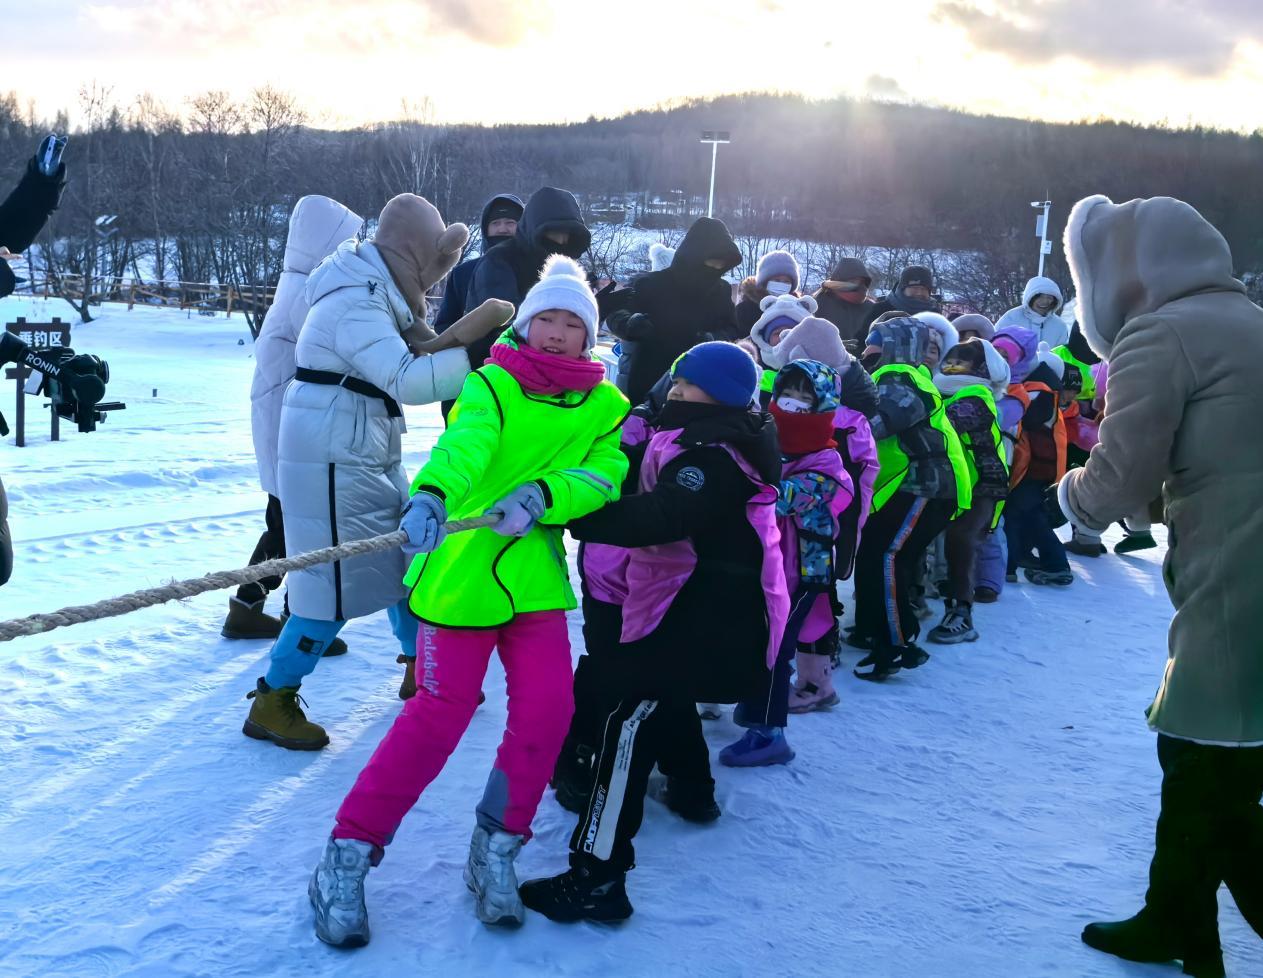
column 75, row 384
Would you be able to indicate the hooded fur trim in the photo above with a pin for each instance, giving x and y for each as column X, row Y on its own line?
column 1076, row 258
column 660, row 256
column 946, row 332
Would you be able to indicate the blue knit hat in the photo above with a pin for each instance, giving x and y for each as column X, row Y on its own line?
column 723, row 370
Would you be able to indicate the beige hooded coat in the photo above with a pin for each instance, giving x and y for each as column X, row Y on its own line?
column 1185, row 402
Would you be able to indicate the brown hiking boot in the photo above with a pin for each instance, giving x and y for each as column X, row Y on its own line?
column 408, row 688
column 277, row 716
column 246, row 621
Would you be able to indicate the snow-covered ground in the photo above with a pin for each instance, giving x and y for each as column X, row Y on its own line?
column 963, row 820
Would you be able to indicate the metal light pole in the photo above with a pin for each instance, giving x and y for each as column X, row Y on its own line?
column 714, row 138
column 1041, row 230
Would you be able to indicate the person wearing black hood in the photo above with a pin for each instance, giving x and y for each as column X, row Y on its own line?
column 551, row 224
column 693, row 585
column 913, row 294
column 27, row 209
column 499, row 223
column 843, row 299
column 682, row 305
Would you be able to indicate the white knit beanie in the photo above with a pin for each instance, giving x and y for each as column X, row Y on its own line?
column 562, row 285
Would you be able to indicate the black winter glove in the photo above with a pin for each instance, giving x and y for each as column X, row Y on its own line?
column 1052, row 508
column 82, row 375
column 637, row 327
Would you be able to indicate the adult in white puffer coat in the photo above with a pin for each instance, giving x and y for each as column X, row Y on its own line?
column 340, row 462
column 1041, row 305
column 316, row 227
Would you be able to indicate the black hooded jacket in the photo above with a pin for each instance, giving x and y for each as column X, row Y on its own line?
column 851, row 318
column 675, row 309
column 460, row 277
column 712, row 642
column 508, row 270
column 24, row 213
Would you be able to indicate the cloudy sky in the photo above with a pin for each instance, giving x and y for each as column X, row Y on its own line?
column 354, row 61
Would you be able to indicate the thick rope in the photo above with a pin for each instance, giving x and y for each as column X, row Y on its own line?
column 177, row 590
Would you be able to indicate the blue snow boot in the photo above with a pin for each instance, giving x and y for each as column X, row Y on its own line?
column 758, row 747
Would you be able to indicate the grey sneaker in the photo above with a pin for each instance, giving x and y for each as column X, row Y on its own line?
column 337, row 893
column 491, row 878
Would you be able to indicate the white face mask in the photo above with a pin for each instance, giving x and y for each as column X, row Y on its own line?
column 792, row 405
column 778, row 288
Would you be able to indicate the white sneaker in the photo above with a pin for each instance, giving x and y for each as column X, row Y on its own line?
column 490, row 876
column 337, row 893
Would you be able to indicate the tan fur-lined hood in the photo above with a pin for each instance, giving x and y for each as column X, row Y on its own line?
column 1131, row 259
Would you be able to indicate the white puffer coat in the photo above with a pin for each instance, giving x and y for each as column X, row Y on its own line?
column 1051, row 328
column 341, row 466
column 316, row 227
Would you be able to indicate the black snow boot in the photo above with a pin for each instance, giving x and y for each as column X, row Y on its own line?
column 1134, row 540
column 1142, row 938
column 879, row 665
column 247, row 620
column 694, row 801
column 592, row 889
column 573, row 776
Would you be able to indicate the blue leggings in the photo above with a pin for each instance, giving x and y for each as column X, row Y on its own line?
column 303, row 640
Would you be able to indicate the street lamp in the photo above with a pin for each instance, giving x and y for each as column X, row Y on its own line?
column 714, row 138
column 1041, row 230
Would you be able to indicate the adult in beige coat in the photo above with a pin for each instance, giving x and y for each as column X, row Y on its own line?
column 1157, row 299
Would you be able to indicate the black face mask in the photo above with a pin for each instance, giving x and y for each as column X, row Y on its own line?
column 680, row 414
column 871, row 361
column 491, row 240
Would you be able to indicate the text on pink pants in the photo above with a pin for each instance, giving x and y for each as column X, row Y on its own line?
column 451, row 665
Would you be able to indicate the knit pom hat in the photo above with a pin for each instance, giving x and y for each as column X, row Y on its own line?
column 723, row 370
column 562, row 285
column 972, row 322
column 777, row 263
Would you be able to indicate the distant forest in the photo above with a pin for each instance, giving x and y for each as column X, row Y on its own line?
column 202, row 189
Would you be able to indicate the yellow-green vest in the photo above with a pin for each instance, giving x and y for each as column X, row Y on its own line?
column 893, row 460
column 983, row 393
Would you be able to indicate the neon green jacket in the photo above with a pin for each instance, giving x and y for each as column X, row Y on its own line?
column 499, row 437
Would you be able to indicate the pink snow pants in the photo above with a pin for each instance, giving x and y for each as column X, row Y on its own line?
column 451, row 665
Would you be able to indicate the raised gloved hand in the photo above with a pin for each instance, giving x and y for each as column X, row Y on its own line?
column 85, row 375
column 48, row 156
column 490, row 317
column 423, row 520
column 519, row 510
column 1052, row 507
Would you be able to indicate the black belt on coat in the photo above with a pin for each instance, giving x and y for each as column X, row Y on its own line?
column 354, row 384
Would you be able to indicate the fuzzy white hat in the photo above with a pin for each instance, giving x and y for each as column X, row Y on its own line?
column 792, row 307
column 812, row 339
column 660, row 256
column 562, row 285
column 1051, row 360
column 945, row 333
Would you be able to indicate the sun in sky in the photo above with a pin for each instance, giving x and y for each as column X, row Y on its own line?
column 496, row 61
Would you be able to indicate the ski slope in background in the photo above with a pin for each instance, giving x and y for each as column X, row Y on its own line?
column 962, row 821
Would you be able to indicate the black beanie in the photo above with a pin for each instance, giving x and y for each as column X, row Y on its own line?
column 916, row 275
column 504, row 208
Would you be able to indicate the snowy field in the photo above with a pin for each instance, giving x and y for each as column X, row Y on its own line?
column 962, row 821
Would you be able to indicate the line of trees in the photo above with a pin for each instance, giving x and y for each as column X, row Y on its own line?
column 201, row 191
